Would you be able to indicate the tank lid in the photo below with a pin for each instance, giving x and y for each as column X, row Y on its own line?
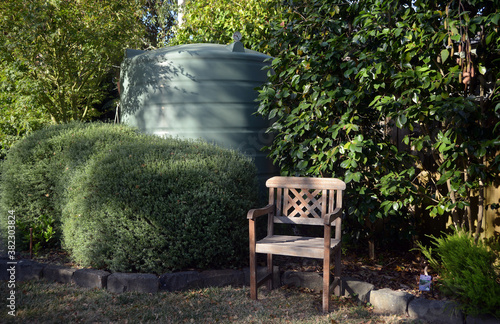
column 236, row 47
column 198, row 50
column 132, row 52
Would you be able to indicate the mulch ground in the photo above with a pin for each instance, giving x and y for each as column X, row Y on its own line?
column 394, row 270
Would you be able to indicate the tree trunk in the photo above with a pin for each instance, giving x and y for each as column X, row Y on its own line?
column 371, row 249
column 480, row 203
column 371, row 239
column 180, row 16
column 480, row 211
column 454, row 213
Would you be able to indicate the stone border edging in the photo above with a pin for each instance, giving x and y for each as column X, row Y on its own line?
column 383, row 300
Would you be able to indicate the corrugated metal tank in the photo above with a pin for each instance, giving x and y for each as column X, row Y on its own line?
column 198, row 91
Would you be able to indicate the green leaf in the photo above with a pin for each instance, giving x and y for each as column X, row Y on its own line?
column 414, row 98
column 444, row 55
column 386, row 205
column 489, row 38
column 302, row 165
column 401, row 121
column 345, row 164
column 447, row 175
column 348, row 176
column 495, row 18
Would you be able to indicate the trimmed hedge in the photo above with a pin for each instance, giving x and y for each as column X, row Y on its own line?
column 126, row 201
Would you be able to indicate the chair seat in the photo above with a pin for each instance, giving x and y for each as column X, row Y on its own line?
column 298, row 246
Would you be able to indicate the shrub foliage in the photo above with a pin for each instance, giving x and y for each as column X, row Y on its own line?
column 126, row 201
column 468, row 271
column 354, row 82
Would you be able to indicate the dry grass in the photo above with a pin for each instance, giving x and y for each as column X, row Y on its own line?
column 44, row 302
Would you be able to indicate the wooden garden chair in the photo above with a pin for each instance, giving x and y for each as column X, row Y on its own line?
column 305, row 201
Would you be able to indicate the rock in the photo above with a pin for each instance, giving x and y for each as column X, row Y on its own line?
column 261, row 271
column 5, row 270
column 136, row 282
column 435, row 311
column 389, row 301
column 180, row 281
column 58, row 273
column 24, row 270
column 221, row 278
column 28, row 270
column 357, row 288
column 90, row 278
column 311, row 280
column 481, row 319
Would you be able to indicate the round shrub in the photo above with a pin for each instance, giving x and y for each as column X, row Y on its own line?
column 37, row 168
column 135, row 202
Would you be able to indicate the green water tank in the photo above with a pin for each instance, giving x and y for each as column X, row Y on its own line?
column 198, row 91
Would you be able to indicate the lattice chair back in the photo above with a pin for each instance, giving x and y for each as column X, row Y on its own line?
column 304, row 200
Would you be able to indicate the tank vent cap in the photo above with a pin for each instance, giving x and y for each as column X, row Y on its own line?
column 237, row 46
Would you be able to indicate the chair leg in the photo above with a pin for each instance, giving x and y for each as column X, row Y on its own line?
column 338, row 271
column 270, row 282
column 253, row 276
column 326, row 285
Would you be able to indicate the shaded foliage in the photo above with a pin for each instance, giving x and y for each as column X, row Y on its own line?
column 346, row 78
column 435, row 72
column 159, row 19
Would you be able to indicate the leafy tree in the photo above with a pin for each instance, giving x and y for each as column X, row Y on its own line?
column 323, row 128
column 17, row 113
column 67, row 49
column 434, row 69
column 159, row 18
column 211, row 21
column 346, row 74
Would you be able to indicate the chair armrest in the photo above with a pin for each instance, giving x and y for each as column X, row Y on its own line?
column 254, row 213
column 329, row 218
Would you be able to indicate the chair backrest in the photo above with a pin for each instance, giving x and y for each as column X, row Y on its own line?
column 304, row 200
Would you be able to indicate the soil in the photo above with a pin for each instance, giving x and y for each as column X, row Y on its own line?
column 395, row 270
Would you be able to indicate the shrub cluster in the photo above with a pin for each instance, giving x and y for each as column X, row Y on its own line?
column 468, row 271
column 126, row 201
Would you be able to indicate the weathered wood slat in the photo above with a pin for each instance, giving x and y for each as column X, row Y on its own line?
column 298, row 220
column 309, row 183
column 279, row 201
column 298, row 246
column 324, row 201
